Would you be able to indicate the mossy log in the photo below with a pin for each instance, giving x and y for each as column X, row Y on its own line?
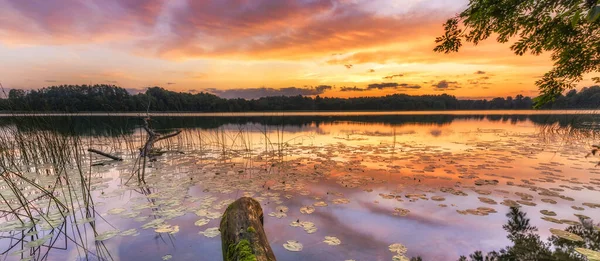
column 242, row 235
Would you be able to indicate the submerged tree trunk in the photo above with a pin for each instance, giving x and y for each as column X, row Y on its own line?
column 242, row 235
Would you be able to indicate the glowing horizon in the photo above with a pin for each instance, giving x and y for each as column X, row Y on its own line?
column 239, row 47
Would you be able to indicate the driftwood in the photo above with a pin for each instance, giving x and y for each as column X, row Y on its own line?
column 242, row 234
column 113, row 157
column 153, row 137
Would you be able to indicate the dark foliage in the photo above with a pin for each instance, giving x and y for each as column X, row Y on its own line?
column 568, row 29
column 588, row 98
column 109, row 98
column 527, row 245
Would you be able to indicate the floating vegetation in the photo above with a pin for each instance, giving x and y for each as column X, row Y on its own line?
column 130, row 232
column 566, row 235
column 39, row 242
column 510, row 203
column 487, row 200
column 165, row 228
column 402, row 212
column 308, row 226
column 293, row 245
column 480, row 211
column 107, row 235
column 332, row 241
column 553, row 220
column 280, row 212
column 577, row 208
column 590, row 254
column 438, row 198
column 203, row 180
column 339, row 201
column 320, row 204
column 116, row 211
column 167, row 257
column 201, row 222
column 549, row 200
column 591, row 205
column 210, row 232
column 548, row 212
column 398, row 248
column 307, row 210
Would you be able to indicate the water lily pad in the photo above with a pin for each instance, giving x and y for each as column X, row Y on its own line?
column 282, row 209
column 165, row 228
column 548, row 212
column 307, row 209
column 332, row 241
column 278, row 214
column 293, row 245
column 402, row 212
column 549, row 200
column 487, row 200
column 130, row 232
column 39, row 242
column 438, row 198
column 566, row 235
column 339, row 201
column 320, row 204
column 210, row 232
column 553, row 220
column 107, row 235
column 202, row 222
column 398, row 248
column 116, row 211
column 590, row 254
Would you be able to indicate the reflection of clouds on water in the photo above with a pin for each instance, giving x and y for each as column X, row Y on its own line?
column 396, row 163
column 435, row 133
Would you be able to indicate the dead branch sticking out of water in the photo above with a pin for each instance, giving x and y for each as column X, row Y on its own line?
column 113, row 157
column 153, row 137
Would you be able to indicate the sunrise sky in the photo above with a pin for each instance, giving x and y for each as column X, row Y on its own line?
column 252, row 48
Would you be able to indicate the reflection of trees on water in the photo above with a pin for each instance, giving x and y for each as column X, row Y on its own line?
column 527, row 245
column 118, row 125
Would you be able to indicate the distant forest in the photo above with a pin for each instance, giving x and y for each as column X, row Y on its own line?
column 87, row 98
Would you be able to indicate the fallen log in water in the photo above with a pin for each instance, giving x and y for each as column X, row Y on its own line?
column 242, row 235
column 105, row 154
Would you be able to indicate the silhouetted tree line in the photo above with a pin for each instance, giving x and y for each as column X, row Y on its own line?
column 79, row 98
column 587, row 97
column 119, row 125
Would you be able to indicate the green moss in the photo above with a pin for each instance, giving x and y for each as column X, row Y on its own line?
column 251, row 229
column 241, row 251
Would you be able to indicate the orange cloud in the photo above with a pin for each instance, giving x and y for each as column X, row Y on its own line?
column 284, row 29
column 74, row 21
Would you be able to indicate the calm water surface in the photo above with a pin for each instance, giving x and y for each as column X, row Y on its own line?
column 372, row 180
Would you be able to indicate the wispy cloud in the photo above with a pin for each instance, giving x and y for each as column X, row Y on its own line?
column 351, row 89
column 389, row 77
column 254, row 93
column 444, row 85
column 392, row 85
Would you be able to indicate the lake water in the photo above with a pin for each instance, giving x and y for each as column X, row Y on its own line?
column 439, row 184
